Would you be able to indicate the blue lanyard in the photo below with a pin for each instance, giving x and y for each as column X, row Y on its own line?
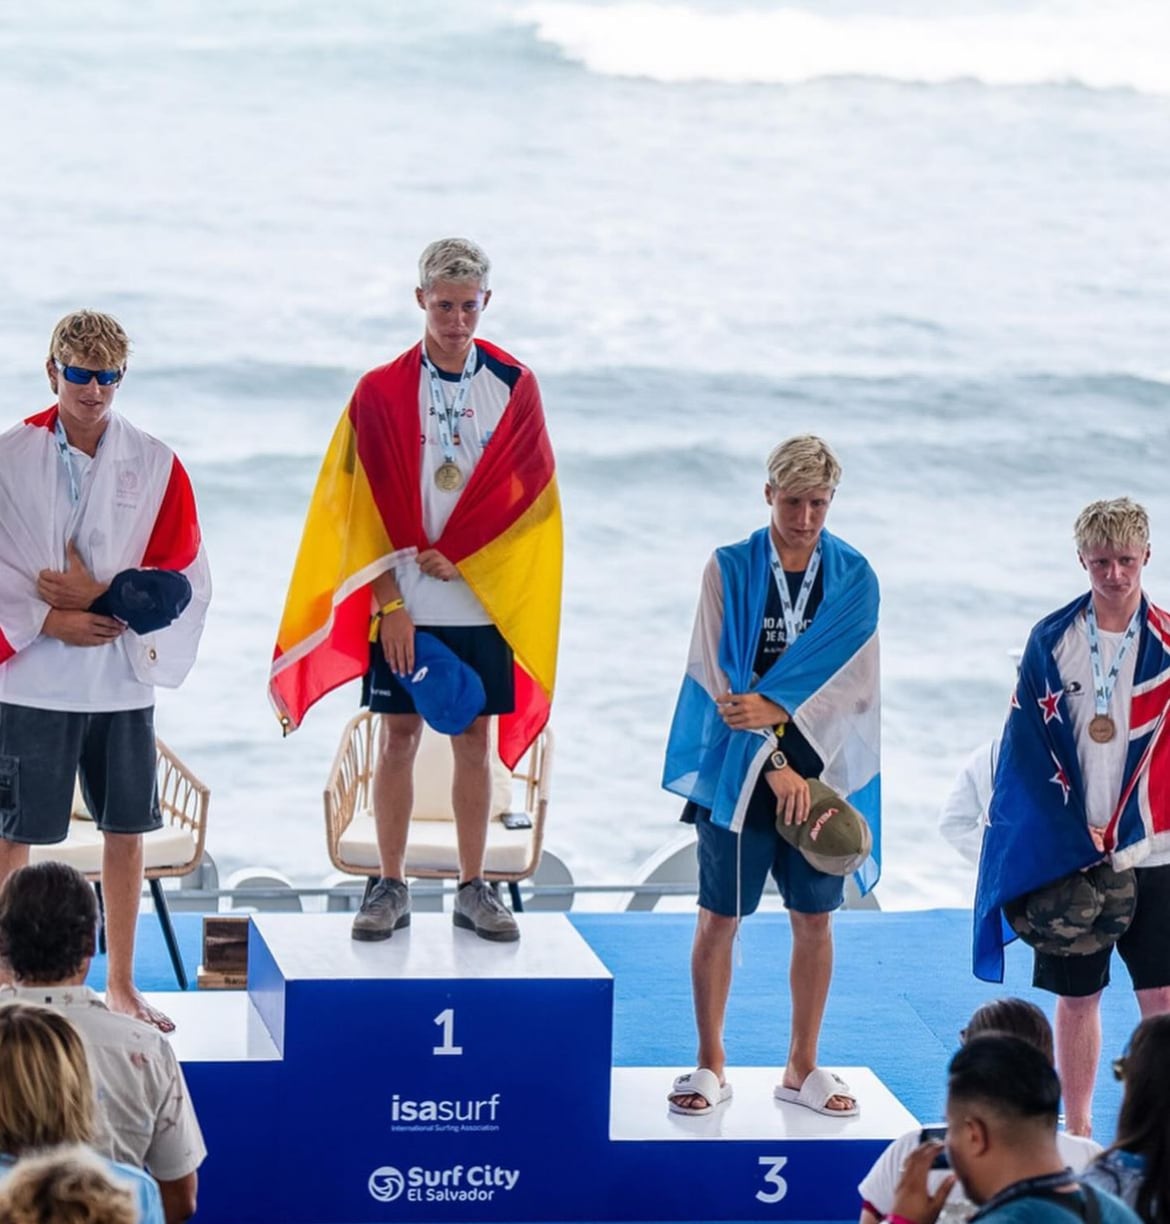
column 794, row 616
column 1103, row 686
column 447, row 415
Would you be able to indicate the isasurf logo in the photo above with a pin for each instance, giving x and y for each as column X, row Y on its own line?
column 454, row 1184
column 386, row 1184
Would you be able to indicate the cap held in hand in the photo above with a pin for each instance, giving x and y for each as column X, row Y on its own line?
column 835, row 838
column 446, row 692
column 145, row 600
column 1080, row 913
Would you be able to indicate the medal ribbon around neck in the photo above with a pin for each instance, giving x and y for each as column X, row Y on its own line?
column 447, row 415
column 67, row 460
column 794, row 615
column 1103, row 686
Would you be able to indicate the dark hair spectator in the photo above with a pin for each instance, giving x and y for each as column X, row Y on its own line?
column 1137, row 1167
column 1008, row 1075
column 48, row 922
column 1015, row 1018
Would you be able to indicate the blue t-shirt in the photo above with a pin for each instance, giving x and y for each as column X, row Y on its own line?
column 1045, row 1211
column 146, row 1192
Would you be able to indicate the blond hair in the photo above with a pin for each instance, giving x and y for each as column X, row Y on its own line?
column 67, row 1186
column 453, row 259
column 46, row 1090
column 803, row 463
column 87, row 335
column 1112, row 524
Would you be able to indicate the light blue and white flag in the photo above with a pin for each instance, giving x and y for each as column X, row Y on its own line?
column 827, row 680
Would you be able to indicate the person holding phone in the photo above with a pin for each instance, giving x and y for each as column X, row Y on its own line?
column 1017, row 1018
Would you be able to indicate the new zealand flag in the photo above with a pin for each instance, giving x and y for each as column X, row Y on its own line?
column 1038, row 830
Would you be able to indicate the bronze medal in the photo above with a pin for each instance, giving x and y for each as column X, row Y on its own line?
column 448, row 477
column 1102, row 729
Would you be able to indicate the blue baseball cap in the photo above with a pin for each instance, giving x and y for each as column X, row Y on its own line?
column 446, row 692
column 146, row 600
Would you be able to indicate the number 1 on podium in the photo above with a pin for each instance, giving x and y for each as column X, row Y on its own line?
column 446, row 1020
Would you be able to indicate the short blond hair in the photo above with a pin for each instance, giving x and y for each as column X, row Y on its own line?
column 453, row 259
column 46, row 1090
column 89, row 335
column 803, row 463
column 1112, row 524
column 69, row 1185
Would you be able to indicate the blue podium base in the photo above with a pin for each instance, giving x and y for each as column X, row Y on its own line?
column 439, row 1077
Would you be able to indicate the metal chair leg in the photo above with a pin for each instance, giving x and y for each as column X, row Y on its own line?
column 517, row 904
column 168, row 930
column 101, row 902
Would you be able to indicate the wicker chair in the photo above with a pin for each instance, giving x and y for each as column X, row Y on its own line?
column 174, row 850
column 432, row 851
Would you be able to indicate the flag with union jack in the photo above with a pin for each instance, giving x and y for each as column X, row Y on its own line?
column 1038, row 830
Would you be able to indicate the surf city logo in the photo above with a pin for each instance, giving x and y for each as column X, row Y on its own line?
column 470, row 1114
column 454, row 1184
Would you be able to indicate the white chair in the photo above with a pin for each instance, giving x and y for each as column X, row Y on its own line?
column 174, row 850
column 431, row 849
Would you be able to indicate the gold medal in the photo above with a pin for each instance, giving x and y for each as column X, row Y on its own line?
column 1102, row 729
column 448, row 477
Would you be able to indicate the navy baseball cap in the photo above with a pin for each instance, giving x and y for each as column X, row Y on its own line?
column 446, row 692
column 146, row 600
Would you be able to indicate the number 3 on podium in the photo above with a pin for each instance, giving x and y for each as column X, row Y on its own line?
column 446, row 1021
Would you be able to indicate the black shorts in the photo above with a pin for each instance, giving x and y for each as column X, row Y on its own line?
column 1144, row 947
column 481, row 647
column 42, row 751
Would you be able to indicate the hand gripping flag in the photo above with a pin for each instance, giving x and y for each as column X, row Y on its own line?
column 827, row 680
column 504, row 537
column 136, row 511
column 1038, row 830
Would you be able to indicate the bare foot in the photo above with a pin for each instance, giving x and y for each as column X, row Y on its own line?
column 130, row 1002
column 837, row 1102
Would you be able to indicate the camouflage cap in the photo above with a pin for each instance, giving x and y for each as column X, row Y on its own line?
column 835, row 838
column 1077, row 914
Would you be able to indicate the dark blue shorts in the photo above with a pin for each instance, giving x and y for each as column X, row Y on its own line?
column 755, row 852
column 481, row 647
column 42, row 751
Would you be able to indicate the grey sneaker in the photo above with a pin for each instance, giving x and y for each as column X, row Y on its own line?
column 385, row 910
column 478, row 909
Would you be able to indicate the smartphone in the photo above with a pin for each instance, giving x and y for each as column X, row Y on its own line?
column 936, row 1134
column 516, row 820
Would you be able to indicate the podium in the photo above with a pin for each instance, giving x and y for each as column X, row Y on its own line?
column 436, row 1076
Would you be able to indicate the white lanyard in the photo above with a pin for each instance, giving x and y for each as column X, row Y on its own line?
column 1103, row 686
column 67, row 460
column 447, row 415
column 794, row 615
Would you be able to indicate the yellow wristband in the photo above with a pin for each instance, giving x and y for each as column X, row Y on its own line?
column 779, row 729
column 392, row 606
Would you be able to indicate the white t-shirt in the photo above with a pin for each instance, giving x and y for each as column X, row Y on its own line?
column 877, row 1187
column 1102, row 765
column 430, row 601
column 50, row 675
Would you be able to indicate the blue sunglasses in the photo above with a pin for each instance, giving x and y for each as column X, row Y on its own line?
column 81, row 376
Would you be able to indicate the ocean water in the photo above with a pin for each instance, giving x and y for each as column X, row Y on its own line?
column 934, row 235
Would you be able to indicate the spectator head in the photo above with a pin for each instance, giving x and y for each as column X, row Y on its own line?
column 1012, row 1018
column 46, row 1091
column 1003, row 1097
column 1143, row 1125
column 68, row 1185
column 48, row 924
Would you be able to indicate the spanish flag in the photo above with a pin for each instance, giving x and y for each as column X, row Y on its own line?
column 504, row 536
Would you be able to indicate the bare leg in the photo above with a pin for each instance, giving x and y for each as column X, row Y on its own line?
column 1154, row 1002
column 810, row 971
column 711, row 984
column 398, row 740
column 471, row 796
column 1078, row 1050
column 13, row 856
column 121, row 890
